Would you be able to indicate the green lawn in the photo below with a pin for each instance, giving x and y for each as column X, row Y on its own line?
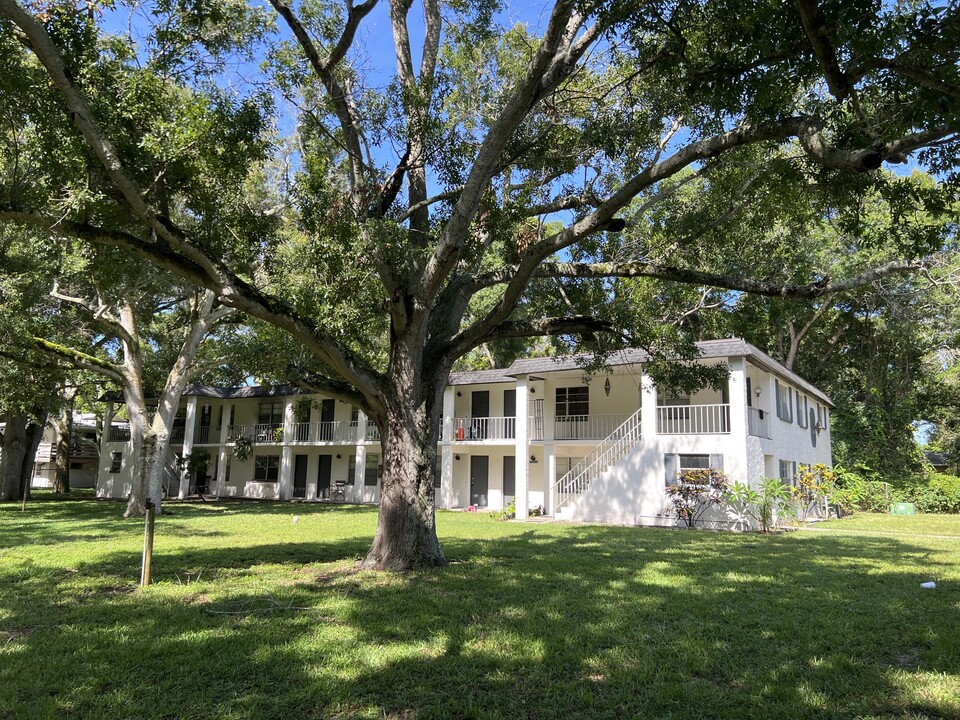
column 255, row 616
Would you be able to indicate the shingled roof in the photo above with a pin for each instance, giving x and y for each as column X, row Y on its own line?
column 709, row 349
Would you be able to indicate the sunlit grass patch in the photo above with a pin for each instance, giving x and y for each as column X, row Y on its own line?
column 253, row 615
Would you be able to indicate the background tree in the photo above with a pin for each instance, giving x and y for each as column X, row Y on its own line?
column 423, row 191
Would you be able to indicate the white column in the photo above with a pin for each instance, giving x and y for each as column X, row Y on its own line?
column 286, row 452
column 648, row 408
column 549, row 477
column 549, row 410
column 105, row 434
column 522, row 448
column 224, row 449
column 738, row 400
column 358, row 487
column 361, row 428
column 188, row 430
column 446, row 477
column 448, row 401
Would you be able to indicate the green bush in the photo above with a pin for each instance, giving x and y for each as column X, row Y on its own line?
column 939, row 493
column 861, row 491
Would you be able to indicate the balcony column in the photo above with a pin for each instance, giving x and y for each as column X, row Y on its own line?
column 550, row 477
column 648, row 406
column 361, row 428
column 359, row 472
column 738, row 469
column 107, row 427
column 286, row 452
column 448, row 410
column 443, row 495
column 522, row 449
column 224, row 449
column 188, row 429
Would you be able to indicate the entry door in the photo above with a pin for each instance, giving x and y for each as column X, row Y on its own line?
column 323, row 476
column 300, row 476
column 480, row 411
column 479, row 474
column 327, row 408
column 509, row 478
column 510, row 413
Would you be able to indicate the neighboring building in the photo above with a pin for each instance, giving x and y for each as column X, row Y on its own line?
column 601, row 449
column 84, row 454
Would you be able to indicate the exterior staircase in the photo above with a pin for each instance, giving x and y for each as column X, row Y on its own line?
column 611, row 450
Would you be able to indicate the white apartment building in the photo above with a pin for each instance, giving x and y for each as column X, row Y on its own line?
column 539, row 433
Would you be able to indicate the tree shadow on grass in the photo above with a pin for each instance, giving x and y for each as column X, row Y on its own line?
column 543, row 623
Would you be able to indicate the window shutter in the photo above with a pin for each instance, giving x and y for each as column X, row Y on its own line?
column 716, row 462
column 671, row 465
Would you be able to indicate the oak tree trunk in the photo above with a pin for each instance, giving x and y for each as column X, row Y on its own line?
column 14, row 450
column 406, row 537
column 34, row 434
column 64, row 428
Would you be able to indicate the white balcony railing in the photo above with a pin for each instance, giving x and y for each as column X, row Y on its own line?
column 586, row 427
column 339, row 431
column 260, row 432
column 693, row 419
column 758, row 422
column 484, row 428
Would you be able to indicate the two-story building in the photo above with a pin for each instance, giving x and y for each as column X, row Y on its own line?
column 539, row 433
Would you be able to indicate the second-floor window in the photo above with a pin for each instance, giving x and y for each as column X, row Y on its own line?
column 116, row 462
column 802, row 407
column 784, row 402
column 573, row 401
column 270, row 413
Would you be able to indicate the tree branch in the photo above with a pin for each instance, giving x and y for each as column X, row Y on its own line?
column 234, row 292
column 824, row 286
column 74, row 358
column 324, row 70
column 818, row 32
column 575, row 325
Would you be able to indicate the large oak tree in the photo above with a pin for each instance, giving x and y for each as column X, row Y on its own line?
column 437, row 197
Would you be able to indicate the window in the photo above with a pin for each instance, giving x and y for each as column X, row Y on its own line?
column 351, row 469
column 573, row 401
column 438, row 471
column 371, row 470
column 116, row 460
column 270, row 413
column 694, row 462
column 788, row 471
column 802, row 407
column 784, row 402
column 821, row 416
column 76, row 466
column 266, row 468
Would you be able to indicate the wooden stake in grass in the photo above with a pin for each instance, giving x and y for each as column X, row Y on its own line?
column 147, row 543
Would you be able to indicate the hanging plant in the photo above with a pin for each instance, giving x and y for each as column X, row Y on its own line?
column 242, row 447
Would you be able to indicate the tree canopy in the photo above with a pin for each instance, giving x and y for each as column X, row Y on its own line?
column 395, row 191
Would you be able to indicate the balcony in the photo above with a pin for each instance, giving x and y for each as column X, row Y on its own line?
column 259, row 433
column 758, row 423
column 484, row 428
column 339, row 431
column 693, row 419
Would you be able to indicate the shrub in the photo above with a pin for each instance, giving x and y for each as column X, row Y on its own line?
column 861, row 490
column 939, row 493
column 695, row 491
column 508, row 513
column 768, row 506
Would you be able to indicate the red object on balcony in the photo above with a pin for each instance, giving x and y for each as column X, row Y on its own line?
column 460, row 433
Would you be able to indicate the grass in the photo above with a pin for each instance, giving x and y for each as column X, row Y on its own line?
column 255, row 616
